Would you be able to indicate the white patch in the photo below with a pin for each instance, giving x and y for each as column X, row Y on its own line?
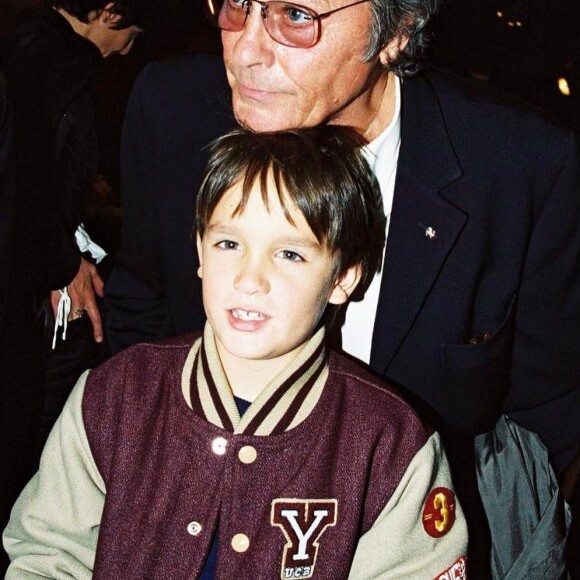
column 456, row 571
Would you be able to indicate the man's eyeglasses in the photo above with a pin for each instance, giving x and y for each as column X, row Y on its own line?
column 289, row 24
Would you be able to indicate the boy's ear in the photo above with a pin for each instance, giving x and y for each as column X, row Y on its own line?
column 345, row 285
column 199, row 255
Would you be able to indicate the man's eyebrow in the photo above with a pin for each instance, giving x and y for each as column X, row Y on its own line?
column 317, row 5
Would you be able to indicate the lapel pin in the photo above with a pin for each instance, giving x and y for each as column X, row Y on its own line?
column 430, row 233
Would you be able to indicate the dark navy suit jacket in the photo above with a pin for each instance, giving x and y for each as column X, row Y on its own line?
column 484, row 316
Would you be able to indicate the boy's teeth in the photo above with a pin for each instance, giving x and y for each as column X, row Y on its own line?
column 246, row 315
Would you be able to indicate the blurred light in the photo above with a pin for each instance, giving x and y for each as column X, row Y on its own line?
column 510, row 24
column 210, row 6
column 499, row 14
column 518, row 24
column 564, row 86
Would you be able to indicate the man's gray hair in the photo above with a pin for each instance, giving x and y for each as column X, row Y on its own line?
column 405, row 19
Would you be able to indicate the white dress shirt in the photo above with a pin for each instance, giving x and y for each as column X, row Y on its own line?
column 382, row 154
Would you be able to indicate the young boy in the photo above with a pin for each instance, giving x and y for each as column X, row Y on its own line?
column 249, row 452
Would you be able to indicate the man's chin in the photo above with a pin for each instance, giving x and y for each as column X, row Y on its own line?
column 263, row 125
column 262, row 121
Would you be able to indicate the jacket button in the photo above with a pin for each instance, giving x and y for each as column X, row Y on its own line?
column 247, row 454
column 240, row 543
column 194, row 528
column 218, row 445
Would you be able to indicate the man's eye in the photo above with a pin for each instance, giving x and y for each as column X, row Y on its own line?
column 228, row 245
column 292, row 256
column 296, row 15
column 238, row 4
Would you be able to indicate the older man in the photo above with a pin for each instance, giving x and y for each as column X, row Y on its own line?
column 476, row 310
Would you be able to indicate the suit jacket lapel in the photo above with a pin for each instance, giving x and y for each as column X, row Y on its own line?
column 415, row 254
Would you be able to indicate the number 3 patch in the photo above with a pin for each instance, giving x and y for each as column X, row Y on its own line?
column 439, row 512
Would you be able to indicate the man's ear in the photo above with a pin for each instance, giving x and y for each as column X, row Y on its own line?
column 345, row 285
column 199, row 255
column 391, row 50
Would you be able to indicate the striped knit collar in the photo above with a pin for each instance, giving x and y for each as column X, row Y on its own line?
column 284, row 403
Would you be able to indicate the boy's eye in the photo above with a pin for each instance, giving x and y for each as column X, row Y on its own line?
column 292, row 256
column 228, row 245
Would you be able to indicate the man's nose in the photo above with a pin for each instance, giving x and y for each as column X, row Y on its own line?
column 254, row 45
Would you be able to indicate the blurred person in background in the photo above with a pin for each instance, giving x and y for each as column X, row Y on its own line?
column 50, row 59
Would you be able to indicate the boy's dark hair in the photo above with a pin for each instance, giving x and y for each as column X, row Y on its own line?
column 321, row 170
column 132, row 12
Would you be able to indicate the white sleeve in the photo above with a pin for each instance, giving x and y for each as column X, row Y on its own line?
column 54, row 525
column 421, row 534
column 86, row 244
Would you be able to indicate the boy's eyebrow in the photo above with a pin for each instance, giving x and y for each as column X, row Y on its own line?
column 298, row 241
column 221, row 228
column 228, row 229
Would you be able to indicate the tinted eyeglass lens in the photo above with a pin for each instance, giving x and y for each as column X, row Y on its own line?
column 289, row 24
column 232, row 15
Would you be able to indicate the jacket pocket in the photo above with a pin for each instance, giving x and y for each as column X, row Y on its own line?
column 487, row 352
column 474, row 379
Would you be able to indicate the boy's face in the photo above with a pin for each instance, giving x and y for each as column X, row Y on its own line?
column 266, row 282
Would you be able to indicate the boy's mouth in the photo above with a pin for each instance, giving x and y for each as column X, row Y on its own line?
column 247, row 315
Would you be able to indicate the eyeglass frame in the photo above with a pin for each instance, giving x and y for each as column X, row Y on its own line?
column 247, row 6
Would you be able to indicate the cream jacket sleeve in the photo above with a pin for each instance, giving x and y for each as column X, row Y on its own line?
column 421, row 534
column 54, row 525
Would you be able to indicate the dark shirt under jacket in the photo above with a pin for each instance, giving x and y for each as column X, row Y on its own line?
column 49, row 69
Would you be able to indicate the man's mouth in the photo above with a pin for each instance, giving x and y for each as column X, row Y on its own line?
column 256, row 92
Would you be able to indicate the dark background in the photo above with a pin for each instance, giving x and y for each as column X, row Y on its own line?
column 521, row 46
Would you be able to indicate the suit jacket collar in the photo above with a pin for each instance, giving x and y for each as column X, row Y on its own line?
column 424, row 224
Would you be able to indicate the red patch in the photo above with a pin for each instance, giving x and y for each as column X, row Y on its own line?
column 439, row 512
column 457, row 571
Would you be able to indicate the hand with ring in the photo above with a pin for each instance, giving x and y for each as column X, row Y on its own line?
column 78, row 313
column 83, row 290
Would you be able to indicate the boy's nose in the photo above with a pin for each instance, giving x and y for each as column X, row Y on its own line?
column 252, row 280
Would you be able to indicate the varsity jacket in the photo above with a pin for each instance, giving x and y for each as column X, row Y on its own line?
column 327, row 475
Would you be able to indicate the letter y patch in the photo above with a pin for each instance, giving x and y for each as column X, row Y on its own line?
column 303, row 521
